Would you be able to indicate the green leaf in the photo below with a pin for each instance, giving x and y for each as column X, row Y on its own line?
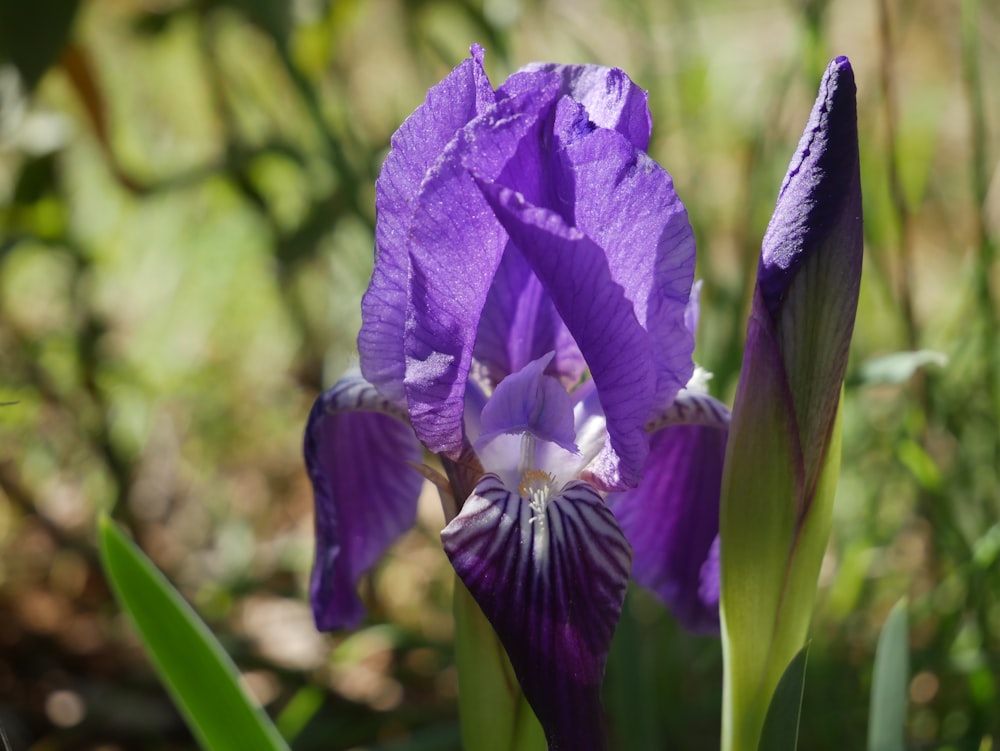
column 887, row 716
column 197, row 672
column 781, row 726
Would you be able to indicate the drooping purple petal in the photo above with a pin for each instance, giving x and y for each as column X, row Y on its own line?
column 810, row 266
column 691, row 407
column 520, row 324
column 416, row 147
column 455, row 248
column 552, row 583
column 575, row 273
column 611, row 98
column 710, row 576
column 358, row 451
column 672, row 521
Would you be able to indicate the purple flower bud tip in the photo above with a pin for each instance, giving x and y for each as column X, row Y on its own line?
column 820, row 199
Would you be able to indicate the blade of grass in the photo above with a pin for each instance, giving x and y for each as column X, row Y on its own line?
column 887, row 716
column 200, row 676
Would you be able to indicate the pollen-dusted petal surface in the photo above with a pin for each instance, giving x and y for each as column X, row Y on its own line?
column 358, row 452
column 416, row 147
column 552, row 585
column 672, row 518
column 626, row 204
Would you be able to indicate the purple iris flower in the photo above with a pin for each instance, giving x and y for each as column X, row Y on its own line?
column 530, row 320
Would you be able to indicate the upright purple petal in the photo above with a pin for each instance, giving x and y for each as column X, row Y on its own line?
column 358, row 454
column 455, row 248
column 551, row 580
column 416, row 147
column 672, row 522
column 612, row 100
column 575, row 273
column 626, row 203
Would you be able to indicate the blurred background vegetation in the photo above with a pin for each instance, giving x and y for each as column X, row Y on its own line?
column 186, row 213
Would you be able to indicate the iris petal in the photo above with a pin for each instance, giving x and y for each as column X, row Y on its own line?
column 626, row 204
column 358, row 453
column 520, row 324
column 691, row 407
column 455, row 248
column 552, row 585
column 672, row 521
column 575, row 273
column 611, row 98
column 529, row 401
column 416, row 146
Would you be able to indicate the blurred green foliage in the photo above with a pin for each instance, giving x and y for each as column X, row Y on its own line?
column 186, row 213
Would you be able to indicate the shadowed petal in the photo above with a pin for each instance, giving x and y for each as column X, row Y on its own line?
column 416, row 146
column 672, row 521
column 358, row 457
column 552, row 586
column 520, row 324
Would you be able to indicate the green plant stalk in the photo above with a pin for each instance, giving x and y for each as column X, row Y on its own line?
column 494, row 713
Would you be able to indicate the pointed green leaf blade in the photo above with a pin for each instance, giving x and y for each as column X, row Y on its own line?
column 781, row 726
column 887, row 715
column 197, row 672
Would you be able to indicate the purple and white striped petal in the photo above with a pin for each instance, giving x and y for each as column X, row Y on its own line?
column 551, row 578
column 416, row 147
column 358, row 452
column 672, row 522
column 691, row 407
